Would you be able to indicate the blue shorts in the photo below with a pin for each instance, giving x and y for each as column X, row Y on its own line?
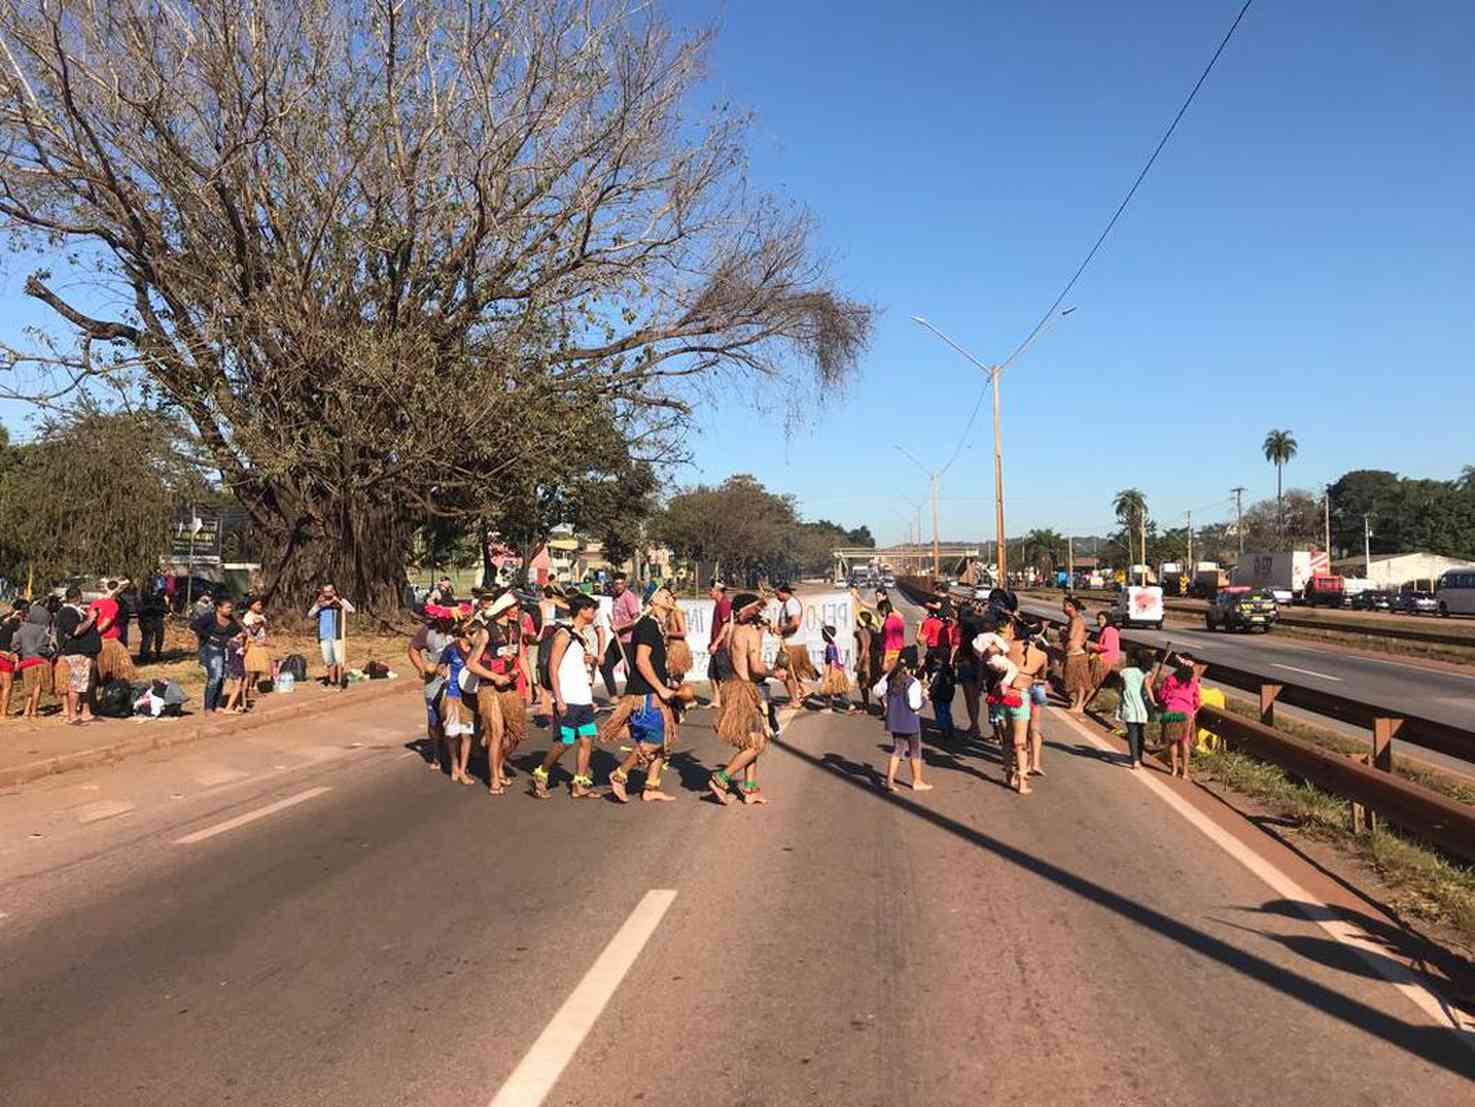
column 576, row 722
column 648, row 725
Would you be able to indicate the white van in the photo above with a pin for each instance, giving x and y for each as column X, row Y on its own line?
column 1456, row 592
column 1138, row 605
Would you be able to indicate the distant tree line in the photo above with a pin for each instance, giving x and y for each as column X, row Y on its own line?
column 744, row 532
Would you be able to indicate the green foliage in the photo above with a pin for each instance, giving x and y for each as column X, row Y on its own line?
column 1407, row 513
column 746, row 531
column 95, row 493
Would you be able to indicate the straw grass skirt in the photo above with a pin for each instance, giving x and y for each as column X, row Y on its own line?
column 799, row 665
column 835, row 683
column 114, row 663
column 1077, row 674
column 36, row 676
column 740, row 722
column 258, row 659
column 678, row 657
column 514, row 717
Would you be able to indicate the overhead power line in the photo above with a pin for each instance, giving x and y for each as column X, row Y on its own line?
column 1158, row 149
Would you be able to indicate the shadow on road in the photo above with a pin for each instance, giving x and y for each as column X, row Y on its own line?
column 1436, row 1045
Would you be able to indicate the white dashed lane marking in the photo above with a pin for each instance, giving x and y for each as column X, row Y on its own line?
column 250, row 816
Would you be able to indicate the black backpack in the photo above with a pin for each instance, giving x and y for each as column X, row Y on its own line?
column 295, row 664
column 115, row 699
column 545, row 653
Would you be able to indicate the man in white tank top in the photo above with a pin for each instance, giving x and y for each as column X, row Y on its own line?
column 571, row 675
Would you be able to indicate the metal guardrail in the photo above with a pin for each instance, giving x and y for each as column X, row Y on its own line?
column 1367, row 781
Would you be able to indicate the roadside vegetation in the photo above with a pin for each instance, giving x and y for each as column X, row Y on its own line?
column 1423, row 884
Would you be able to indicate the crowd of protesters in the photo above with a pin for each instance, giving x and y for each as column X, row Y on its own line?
column 501, row 662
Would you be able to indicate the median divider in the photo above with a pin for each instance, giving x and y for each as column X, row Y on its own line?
column 1367, row 781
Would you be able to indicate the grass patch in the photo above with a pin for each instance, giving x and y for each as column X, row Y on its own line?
column 1423, row 883
column 1446, row 784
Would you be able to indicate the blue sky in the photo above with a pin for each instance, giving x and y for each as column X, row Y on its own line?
column 1302, row 255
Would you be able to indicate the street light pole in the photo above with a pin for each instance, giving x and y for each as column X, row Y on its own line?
column 933, row 478
column 993, row 372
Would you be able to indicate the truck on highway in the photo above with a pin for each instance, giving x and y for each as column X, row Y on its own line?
column 1174, row 577
column 1209, row 580
column 1288, row 572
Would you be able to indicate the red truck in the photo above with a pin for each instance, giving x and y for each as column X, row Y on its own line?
column 1323, row 590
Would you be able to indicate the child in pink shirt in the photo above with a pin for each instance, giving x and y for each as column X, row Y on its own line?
column 1179, row 696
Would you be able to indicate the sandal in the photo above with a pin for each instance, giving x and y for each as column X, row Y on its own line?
column 496, row 789
column 582, row 788
column 538, row 789
column 651, row 795
column 617, row 781
column 719, row 784
column 750, row 793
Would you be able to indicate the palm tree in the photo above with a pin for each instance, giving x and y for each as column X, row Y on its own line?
column 1279, row 447
column 1130, row 506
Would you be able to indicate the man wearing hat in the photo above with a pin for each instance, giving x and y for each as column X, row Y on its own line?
column 503, row 711
column 798, row 667
column 741, row 723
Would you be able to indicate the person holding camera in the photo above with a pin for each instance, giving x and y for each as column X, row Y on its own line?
column 330, row 610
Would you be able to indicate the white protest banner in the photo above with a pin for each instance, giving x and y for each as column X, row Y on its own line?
column 821, row 609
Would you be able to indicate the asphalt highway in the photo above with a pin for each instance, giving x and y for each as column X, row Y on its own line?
column 317, row 918
column 1446, row 695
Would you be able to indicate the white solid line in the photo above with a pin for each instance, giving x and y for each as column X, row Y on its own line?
column 544, row 1063
column 250, row 816
column 1401, row 977
column 1306, row 672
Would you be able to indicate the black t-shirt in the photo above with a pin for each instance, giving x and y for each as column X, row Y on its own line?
column 647, row 633
column 7, row 633
column 68, row 619
column 208, row 629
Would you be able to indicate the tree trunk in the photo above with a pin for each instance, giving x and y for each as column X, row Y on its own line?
column 360, row 548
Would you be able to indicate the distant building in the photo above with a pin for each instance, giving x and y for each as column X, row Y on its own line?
column 1397, row 571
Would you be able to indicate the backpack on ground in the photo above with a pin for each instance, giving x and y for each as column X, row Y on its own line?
column 295, row 664
column 115, row 700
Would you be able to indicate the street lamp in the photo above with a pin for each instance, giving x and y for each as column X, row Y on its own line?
column 932, row 479
column 993, row 372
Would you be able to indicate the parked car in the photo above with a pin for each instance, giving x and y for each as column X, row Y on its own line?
column 1373, row 600
column 1416, row 603
column 1242, row 608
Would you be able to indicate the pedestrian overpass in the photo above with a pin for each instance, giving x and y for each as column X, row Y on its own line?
column 909, row 558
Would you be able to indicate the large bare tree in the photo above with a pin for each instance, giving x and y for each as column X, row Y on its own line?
column 383, row 254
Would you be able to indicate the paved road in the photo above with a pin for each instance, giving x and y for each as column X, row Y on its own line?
column 1444, row 694
column 396, row 939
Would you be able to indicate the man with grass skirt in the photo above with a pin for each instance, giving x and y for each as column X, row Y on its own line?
column 741, row 722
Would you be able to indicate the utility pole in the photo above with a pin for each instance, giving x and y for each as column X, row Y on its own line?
column 1070, row 554
column 936, row 559
column 1189, row 516
column 1239, row 516
column 1367, row 547
column 1326, row 505
column 999, row 483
